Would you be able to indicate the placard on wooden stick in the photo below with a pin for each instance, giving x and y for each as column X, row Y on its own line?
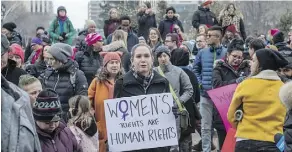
column 140, row 122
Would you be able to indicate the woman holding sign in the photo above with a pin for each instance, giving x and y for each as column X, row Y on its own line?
column 229, row 71
column 263, row 113
column 142, row 80
column 102, row 88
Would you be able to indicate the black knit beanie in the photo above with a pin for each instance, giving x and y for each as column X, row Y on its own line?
column 270, row 60
column 278, row 37
column 10, row 26
column 47, row 107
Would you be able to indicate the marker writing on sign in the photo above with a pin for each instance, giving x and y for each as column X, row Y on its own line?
column 124, row 112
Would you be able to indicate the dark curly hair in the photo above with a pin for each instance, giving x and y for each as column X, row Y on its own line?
column 236, row 44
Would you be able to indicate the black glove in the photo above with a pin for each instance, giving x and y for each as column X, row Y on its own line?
column 175, row 111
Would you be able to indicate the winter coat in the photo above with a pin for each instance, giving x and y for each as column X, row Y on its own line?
column 166, row 24
column 224, row 74
column 15, row 38
column 288, row 131
column 86, row 142
column 80, row 42
column 120, row 46
column 99, row 91
column 285, row 51
column 204, row 16
column 235, row 19
column 203, row 66
column 62, row 140
column 263, row 112
column 36, row 69
column 11, row 72
column 132, row 39
column 145, row 22
column 61, row 81
column 110, row 26
column 18, row 132
column 89, row 62
column 179, row 81
column 191, row 104
column 55, row 33
column 129, row 86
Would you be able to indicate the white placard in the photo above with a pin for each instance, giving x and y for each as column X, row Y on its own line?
column 140, row 122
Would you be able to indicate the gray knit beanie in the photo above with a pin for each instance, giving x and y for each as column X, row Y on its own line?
column 61, row 52
column 162, row 49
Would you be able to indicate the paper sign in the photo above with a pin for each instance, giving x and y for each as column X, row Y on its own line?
column 140, row 122
column 222, row 98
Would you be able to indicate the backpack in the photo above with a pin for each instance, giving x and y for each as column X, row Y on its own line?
column 18, row 132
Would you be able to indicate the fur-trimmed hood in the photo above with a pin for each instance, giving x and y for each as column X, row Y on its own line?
column 115, row 46
column 285, row 95
column 175, row 16
column 220, row 62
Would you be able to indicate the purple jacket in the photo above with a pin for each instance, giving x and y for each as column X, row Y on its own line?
column 62, row 140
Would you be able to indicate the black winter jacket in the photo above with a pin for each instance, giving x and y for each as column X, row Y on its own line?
column 80, row 42
column 167, row 23
column 191, row 105
column 59, row 80
column 15, row 38
column 145, row 22
column 36, row 69
column 288, row 131
column 128, row 86
column 285, row 51
column 203, row 16
column 224, row 74
column 89, row 62
column 12, row 73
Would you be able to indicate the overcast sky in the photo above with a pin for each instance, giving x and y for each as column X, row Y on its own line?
column 76, row 10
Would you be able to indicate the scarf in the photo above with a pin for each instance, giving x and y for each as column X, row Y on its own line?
column 36, row 56
column 145, row 81
column 61, row 20
column 110, row 87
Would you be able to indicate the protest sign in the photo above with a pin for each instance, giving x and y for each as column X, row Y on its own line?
column 140, row 122
column 222, row 98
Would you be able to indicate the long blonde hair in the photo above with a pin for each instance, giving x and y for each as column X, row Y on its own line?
column 120, row 35
column 83, row 116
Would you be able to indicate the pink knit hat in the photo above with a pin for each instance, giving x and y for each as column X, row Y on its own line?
column 108, row 56
column 274, row 31
column 93, row 38
column 17, row 50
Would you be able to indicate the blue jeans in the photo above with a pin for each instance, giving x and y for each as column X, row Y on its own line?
column 206, row 110
column 255, row 146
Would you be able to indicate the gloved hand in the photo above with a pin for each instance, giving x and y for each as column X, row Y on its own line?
column 240, row 79
column 175, row 111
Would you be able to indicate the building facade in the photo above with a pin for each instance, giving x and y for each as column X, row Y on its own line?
column 41, row 6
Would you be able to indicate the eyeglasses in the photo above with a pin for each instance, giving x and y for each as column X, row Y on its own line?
column 237, row 57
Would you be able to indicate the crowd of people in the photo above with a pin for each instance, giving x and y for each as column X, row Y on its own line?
column 53, row 91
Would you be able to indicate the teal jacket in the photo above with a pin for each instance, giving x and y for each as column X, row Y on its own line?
column 55, row 32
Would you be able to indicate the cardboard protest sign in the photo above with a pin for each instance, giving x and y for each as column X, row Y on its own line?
column 140, row 122
column 222, row 98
